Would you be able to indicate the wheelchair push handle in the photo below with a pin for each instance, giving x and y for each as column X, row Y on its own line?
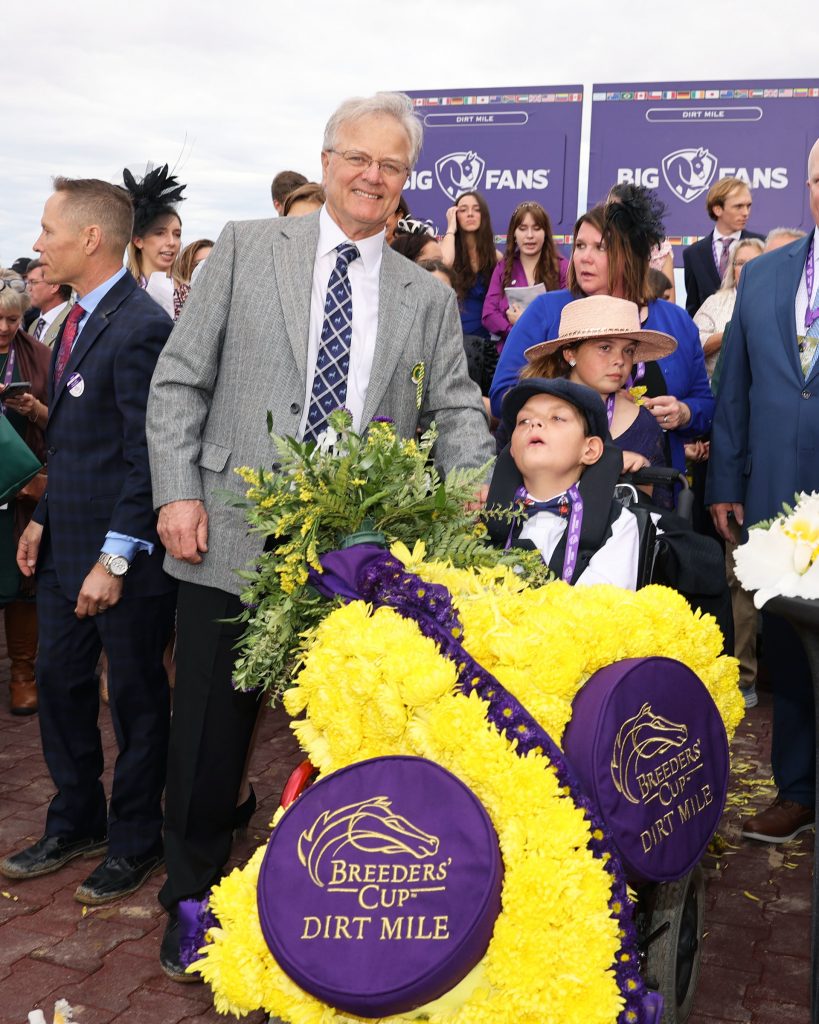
column 650, row 475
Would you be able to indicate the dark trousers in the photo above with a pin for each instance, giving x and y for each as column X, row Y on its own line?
column 793, row 745
column 134, row 634
column 211, row 729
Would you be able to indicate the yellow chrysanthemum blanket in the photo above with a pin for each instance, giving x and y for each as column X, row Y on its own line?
column 557, row 947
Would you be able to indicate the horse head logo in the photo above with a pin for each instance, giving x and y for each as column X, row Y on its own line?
column 689, row 172
column 641, row 737
column 370, row 826
column 458, row 173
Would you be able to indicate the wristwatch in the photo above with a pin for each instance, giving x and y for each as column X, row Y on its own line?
column 114, row 565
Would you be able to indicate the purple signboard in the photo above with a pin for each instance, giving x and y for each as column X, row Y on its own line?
column 511, row 145
column 680, row 138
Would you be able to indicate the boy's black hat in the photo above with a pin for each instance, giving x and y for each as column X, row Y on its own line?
column 587, row 401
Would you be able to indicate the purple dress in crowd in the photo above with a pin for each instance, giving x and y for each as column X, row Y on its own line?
column 496, row 304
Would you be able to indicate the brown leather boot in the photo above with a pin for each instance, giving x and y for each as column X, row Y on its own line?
column 21, row 640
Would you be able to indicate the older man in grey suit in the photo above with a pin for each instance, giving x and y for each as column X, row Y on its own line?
column 285, row 311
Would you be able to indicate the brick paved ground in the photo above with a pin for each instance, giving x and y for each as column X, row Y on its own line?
column 755, row 957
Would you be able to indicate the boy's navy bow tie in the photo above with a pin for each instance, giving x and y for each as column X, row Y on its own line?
column 558, row 506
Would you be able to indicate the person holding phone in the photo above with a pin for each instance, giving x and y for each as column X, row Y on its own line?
column 23, row 361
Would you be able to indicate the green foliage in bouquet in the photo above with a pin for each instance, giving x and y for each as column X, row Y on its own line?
column 317, row 498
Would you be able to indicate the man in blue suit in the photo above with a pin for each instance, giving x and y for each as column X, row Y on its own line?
column 97, row 557
column 764, row 449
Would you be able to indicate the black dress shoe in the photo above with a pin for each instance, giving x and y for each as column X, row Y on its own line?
column 49, row 854
column 169, row 953
column 117, row 877
column 243, row 813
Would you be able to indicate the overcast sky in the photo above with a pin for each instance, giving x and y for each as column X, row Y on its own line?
column 230, row 93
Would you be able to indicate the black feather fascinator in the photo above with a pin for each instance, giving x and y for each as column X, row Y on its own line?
column 154, row 196
column 636, row 213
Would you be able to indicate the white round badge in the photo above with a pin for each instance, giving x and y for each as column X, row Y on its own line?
column 75, row 385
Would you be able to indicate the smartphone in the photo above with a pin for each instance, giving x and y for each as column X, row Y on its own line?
column 15, row 390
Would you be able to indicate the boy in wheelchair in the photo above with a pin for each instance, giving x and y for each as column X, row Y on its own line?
column 562, row 468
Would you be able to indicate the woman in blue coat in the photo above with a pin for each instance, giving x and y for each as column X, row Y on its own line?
column 610, row 257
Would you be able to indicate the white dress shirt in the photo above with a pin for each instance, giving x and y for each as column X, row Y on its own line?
column 716, row 243
column 615, row 562
column 50, row 316
column 364, row 273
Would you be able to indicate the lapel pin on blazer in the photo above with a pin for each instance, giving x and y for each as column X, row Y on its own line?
column 75, row 385
column 417, row 377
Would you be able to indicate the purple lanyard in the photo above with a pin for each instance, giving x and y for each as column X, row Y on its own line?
column 573, row 534
column 610, row 409
column 811, row 315
column 8, row 375
column 638, row 374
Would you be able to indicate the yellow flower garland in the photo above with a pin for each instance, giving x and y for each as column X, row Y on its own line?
column 555, row 940
column 544, row 643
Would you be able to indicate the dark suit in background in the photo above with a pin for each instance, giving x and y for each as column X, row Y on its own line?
column 99, row 481
column 764, row 450
column 701, row 274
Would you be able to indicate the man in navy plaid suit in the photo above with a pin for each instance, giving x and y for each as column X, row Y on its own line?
column 97, row 557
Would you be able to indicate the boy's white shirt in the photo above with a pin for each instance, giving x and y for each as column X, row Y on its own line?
column 615, row 562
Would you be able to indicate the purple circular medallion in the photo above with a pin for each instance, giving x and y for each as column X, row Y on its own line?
column 380, row 886
column 649, row 746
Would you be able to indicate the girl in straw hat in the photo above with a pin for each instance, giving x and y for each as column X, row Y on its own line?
column 599, row 343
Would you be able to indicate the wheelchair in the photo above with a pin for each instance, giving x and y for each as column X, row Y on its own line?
column 668, row 914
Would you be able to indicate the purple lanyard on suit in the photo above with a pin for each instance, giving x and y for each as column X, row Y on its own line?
column 811, row 315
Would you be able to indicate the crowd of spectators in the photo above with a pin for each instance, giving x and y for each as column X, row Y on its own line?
column 111, row 258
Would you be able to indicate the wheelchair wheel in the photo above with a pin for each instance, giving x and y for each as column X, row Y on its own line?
column 673, row 958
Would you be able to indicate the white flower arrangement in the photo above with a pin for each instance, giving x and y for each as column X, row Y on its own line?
column 780, row 557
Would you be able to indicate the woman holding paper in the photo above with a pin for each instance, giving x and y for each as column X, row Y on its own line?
column 532, row 263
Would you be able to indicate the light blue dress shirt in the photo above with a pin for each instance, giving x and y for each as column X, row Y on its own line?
column 114, row 543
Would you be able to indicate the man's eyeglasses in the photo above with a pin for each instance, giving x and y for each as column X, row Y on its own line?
column 363, row 162
column 16, row 284
column 34, row 280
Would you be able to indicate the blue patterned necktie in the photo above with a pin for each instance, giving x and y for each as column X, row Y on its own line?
column 329, row 390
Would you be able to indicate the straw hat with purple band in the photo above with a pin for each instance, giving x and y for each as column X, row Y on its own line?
column 603, row 316
column 578, row 395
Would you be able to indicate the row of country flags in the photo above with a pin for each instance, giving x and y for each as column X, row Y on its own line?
column 710, row 94
column 484, row 99
column 569, row 239
column 467, row 101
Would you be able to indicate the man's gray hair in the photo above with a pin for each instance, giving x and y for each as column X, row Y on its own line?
column 391, row 104
column 790, row 233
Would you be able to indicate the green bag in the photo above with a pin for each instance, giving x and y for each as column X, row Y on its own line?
column 18, row 463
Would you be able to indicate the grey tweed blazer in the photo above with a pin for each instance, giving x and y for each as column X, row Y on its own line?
column 239, row 350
